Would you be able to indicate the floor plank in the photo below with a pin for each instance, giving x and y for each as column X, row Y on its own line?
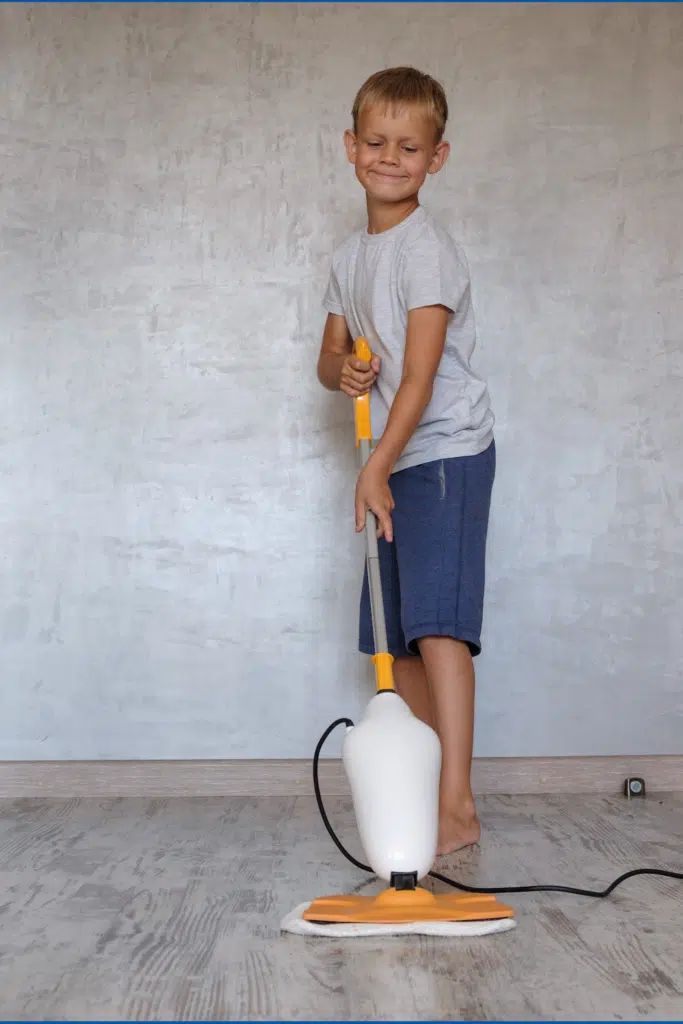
column 170, row 908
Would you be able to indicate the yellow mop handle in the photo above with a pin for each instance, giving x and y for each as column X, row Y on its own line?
column 362, row 404
column 382, row 660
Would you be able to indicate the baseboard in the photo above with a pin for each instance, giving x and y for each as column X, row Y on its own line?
column 505, row 775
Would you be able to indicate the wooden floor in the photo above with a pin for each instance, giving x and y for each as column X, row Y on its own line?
column 170, row 909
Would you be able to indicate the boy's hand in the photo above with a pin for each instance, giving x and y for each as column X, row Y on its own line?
column 357, row 376
column 373, row 492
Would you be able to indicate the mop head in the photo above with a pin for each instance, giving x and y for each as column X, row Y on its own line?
column 416, row 912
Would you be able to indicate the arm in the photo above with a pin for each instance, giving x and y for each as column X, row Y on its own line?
column 338, row 368
column 425, row 340
column 336, row 345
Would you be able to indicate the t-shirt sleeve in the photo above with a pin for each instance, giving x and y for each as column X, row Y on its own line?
column 332, row 300
column 435, row 273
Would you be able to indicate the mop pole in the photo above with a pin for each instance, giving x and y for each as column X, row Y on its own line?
column 382, row 660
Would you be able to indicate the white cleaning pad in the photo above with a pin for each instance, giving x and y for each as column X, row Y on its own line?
column 295, row 924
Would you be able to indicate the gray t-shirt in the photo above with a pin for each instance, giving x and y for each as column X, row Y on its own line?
column 375, row 280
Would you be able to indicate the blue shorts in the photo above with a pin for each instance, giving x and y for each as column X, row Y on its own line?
column 433, row 572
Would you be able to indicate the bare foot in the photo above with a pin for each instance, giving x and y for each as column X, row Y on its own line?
column 456, row 831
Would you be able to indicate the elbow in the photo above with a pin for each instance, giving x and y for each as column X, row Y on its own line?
column 323, row 375
column 320, row 374
column 319, row 371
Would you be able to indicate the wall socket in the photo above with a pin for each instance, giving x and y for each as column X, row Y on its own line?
column 634, row 786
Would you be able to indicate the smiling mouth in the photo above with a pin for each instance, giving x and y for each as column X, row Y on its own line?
column 389, row 177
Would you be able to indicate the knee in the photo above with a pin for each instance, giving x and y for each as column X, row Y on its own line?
column 440, row 646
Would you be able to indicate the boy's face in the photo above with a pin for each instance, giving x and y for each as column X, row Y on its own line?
column 393, row 152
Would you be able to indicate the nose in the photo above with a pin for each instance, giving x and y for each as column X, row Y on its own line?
column 390, row 154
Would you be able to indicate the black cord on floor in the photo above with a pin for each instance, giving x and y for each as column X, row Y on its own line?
column 599, row 894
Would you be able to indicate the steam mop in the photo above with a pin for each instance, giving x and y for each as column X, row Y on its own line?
column 393, row 763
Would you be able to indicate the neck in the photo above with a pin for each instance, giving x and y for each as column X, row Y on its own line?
column 383, row 216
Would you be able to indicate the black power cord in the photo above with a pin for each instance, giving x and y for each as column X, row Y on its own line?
column 598, row 894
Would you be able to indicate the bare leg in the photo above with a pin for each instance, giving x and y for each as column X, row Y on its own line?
column 411, row 684
column 450, row 672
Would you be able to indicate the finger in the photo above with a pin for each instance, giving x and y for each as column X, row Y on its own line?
column 375, row 363
column 364, row 373
column 384, row 529
column 351, row 389
column 358, row 364
column 360, row 514
column 362, row 378
column 384, row 524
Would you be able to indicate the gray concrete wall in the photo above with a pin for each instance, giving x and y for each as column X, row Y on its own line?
column 179, row 567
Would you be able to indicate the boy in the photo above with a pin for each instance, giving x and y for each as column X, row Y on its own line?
column 403, row 284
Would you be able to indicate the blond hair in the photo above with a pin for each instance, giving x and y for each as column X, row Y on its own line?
column 398, row 88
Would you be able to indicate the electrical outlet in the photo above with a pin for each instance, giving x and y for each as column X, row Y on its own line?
column 634, row 786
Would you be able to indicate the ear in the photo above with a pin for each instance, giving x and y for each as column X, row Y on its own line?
column 351, row 145
column 439, row 157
